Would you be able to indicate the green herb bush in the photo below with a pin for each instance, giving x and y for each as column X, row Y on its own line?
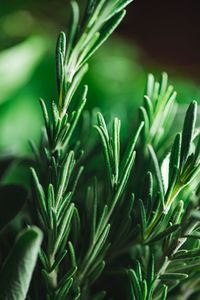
column 114, row 220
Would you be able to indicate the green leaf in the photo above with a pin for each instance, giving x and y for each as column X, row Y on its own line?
column 12, row 199
column 76, row 227
column 100, row 242
column 151, row 288
column 144, row 289
column 97, row 272
column 150, row 271
column 123, row 182
column 157, row 174
column 58, row 261
column 144, row 117
column 195, row 214
column 72, row 253
column 176, row 215
column 42, row 206
column 67, row 277
column 102, row 220
column 187, row 254
column 173, row 276
column 188, row 131
column 55, row 116
column 138, row 270
column 64, row 227
column 163, row 234
column 129, row 150
column 94, row 208
column 60, row 57
column 105, row 32
column 64, row 290
column 116, row 147
column 150, row 86
column 148, row 191
column 164, row 292
column 143, row 219
column 44, row 259
column 175, row 155
column 46, row 118
column 163, row 85
column 136, row 285
column 148, row 107
column 16, row 273
column 90, row 7
column 121, row 4
column 81, row 106
column 106, row 147
column 65, row 175
column 73, row 87
column 73, row 28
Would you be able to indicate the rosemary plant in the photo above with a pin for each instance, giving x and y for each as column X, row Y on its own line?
column 131, row 229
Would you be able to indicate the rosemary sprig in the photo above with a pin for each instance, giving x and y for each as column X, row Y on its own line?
column 57, row 164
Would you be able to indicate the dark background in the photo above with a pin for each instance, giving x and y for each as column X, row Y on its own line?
column 168, row 31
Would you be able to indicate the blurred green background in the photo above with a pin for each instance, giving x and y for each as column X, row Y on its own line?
column 116, row 76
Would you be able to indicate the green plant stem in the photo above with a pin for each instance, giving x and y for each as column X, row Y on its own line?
column 54, row 274
column 178, row 187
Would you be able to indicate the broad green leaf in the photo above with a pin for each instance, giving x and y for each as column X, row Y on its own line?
column 16, row 273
